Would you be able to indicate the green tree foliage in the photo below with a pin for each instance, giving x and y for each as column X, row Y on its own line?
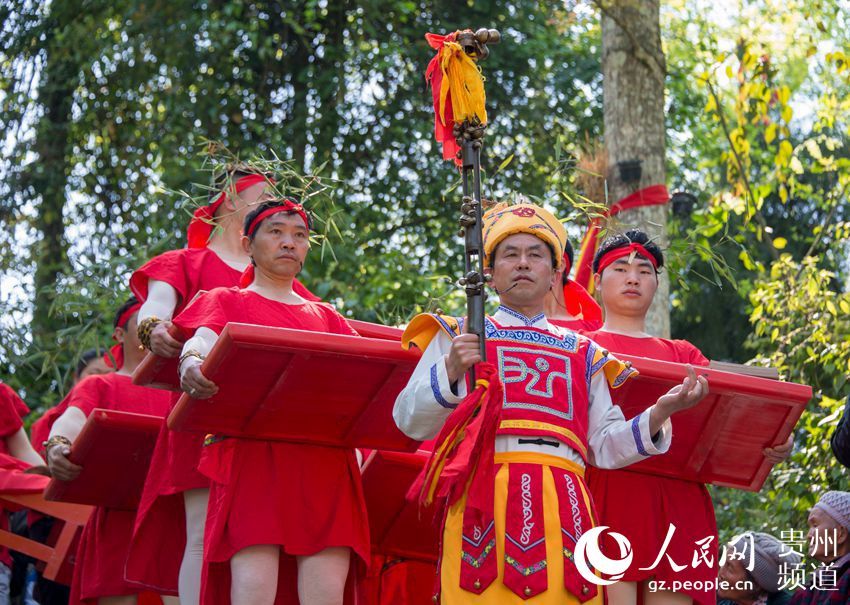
column 768, row 139
column 801, row 327
column 340, row 85
column 768, row 181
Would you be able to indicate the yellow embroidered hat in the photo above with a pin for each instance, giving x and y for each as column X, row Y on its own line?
column 505, row 219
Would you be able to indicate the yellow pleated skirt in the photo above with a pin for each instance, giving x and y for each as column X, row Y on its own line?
column 497, row 593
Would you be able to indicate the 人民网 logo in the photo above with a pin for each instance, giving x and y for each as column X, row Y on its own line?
column 588, row 557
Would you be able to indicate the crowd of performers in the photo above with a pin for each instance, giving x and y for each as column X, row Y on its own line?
column 250, row 521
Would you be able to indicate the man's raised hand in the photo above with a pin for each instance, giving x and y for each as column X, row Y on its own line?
column 685, row 395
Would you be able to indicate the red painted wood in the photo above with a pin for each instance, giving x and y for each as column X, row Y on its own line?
column 295, row 385
column 161, row 373
column 719, row 441
column 397, row 526
column 115, row 449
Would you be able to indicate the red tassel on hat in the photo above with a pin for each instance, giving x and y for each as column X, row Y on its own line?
column 580, row 303
column 247, row 276
column 116, row 353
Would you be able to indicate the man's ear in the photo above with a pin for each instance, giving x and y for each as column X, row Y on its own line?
column 229, row 203
column 118, row 335
column 842, row 536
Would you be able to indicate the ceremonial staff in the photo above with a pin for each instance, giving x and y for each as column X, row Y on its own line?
column 460, row 119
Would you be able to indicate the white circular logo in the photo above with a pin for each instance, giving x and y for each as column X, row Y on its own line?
column 588, row 556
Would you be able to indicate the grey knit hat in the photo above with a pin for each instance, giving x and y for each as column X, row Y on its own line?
column 769, row 556
column 837, row 506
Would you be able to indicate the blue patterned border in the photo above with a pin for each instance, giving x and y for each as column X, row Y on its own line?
column 636, row 433
column 528, row 321
column 435, row 389
column 569, row 342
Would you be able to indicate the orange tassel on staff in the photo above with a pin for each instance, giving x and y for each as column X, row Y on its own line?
column 457, row 87
column 464, row 449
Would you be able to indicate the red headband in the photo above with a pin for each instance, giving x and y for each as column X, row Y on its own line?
column 126, row 315
column 287, row 206
column 116, row 352
column 616, row 253
column 200, row 227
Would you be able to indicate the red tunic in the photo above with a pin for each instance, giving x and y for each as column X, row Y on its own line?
column 642, row 506
column 40, row 429
column 99, row 569
column 9, row 395
column 11, row 410
column 304, row 498
column 160, row 535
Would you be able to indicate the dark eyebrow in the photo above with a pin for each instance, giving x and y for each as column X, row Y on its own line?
column 276, row 221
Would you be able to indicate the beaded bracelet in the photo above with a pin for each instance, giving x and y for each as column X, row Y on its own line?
column 187, row 355
column 145, row 329
column 55, row 440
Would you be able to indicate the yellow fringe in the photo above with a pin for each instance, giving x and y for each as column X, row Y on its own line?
column 461, row 76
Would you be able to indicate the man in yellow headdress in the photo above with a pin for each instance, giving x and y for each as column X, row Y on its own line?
column 511, row 452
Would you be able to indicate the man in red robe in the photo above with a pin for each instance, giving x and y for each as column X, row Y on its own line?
column 99, row 569
column 640, row 506
column 274, row 533
column 90, row 362
column 167, row 549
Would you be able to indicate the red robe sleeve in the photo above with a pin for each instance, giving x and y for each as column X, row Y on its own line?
column 21, row 407
column 337, row 324
column 88, row 395
column 211, row 310
column 688, row 353
column 167, row 267
column 10, row 418
column 40, row 429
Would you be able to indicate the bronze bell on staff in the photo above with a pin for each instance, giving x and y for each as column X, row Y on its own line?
column 475, row 44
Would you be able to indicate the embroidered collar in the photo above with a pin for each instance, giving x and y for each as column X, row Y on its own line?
column 540, row 318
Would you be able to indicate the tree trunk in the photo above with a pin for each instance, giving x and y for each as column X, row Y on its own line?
column 633, row 73
column 48, row 177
